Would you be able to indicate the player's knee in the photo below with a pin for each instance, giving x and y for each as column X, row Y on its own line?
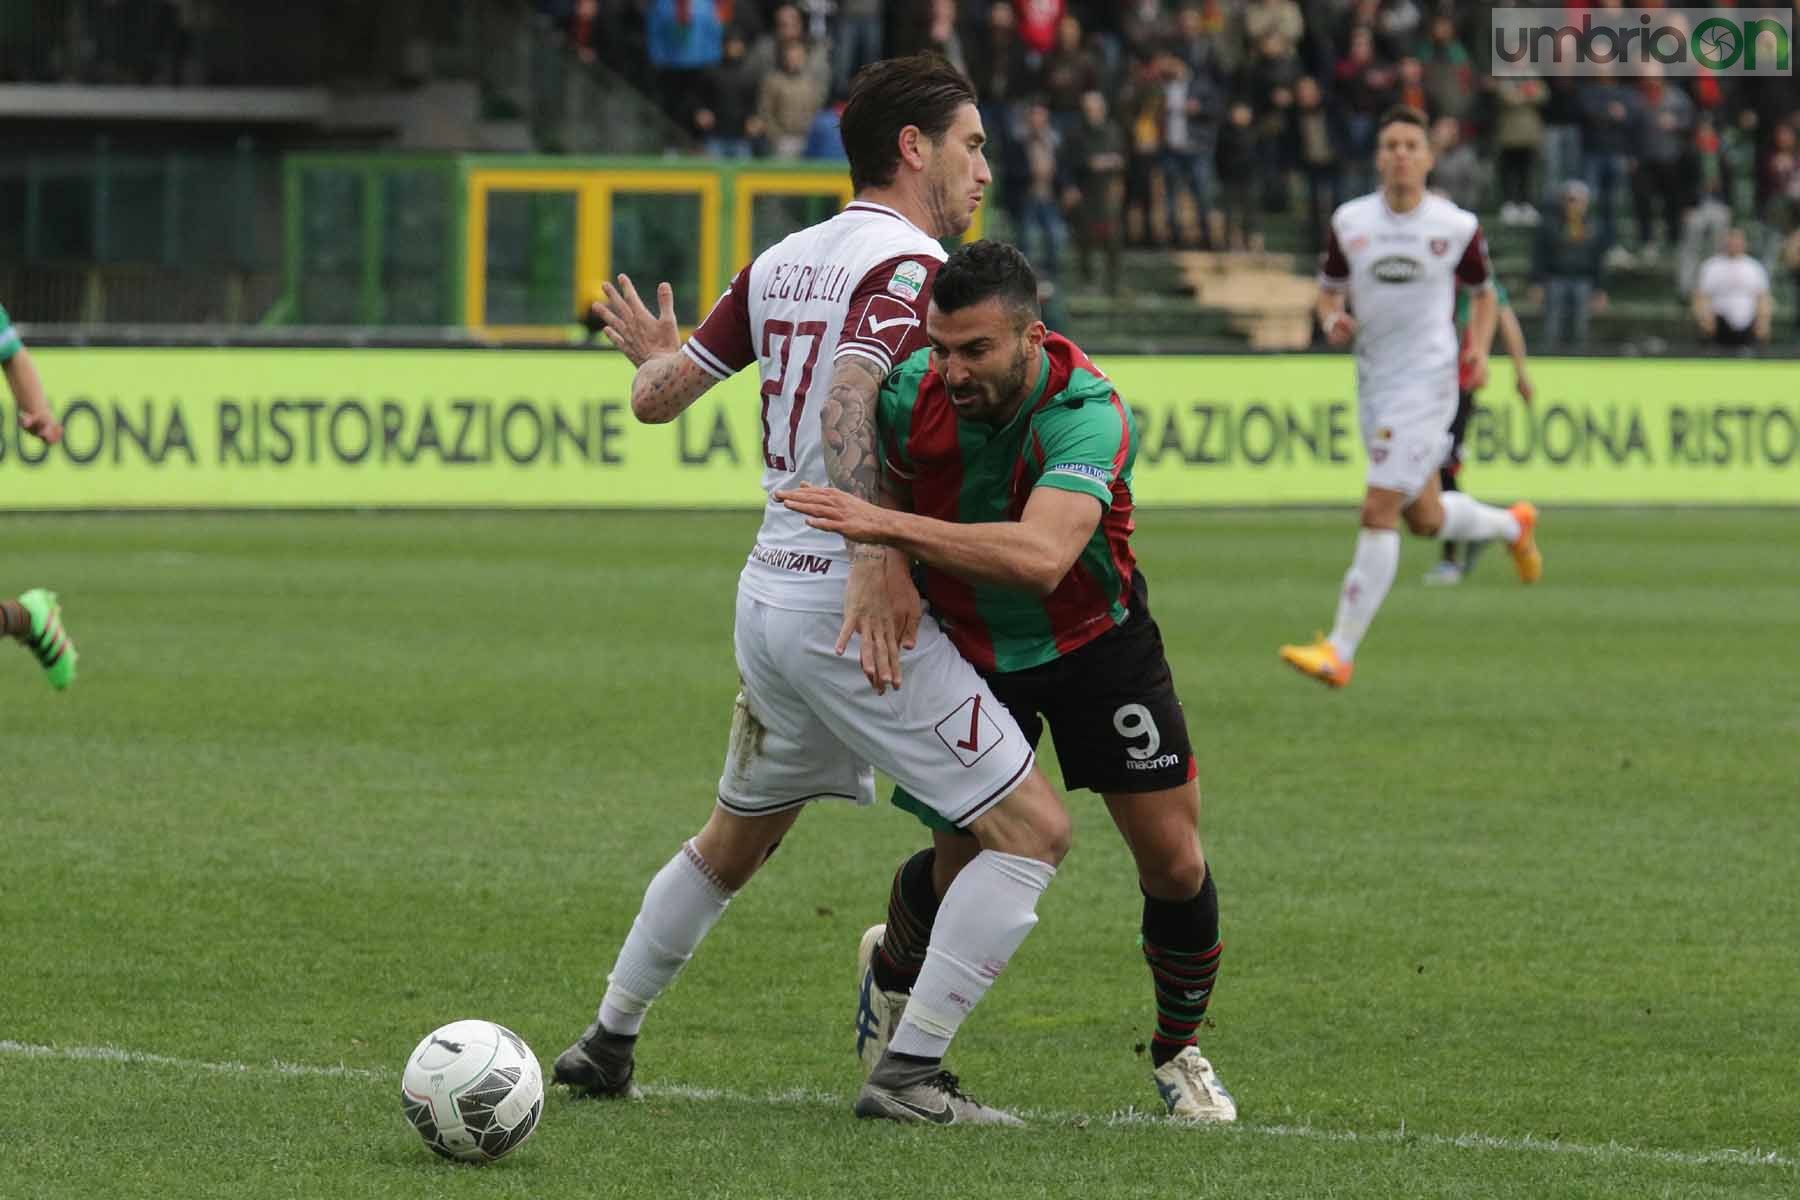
column 1425, row 524
column 1044, row 834
column 1175, row 874
column 1058, row 832
column 1050, row 822
column 1376, row 516
column 1031, row 822
column 733, row 847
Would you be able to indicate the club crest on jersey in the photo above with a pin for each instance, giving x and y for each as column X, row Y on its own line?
column 1439, row 245
column 908, row 280
column 1359, row 242
column 1397, row 268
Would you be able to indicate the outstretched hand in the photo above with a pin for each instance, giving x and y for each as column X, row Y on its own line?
column 837, row 512
column 631, row 327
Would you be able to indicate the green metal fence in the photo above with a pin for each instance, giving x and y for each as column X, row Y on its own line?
column 513, row 246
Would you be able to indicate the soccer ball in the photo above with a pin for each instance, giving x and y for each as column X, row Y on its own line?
column 473, row 1090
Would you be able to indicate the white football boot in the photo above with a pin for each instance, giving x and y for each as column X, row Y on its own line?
column 877, row 1012
column 1191, row 1089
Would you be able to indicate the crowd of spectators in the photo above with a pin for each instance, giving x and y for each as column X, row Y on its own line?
column 1113, row 123
column 1196, row 122
column 223, row 43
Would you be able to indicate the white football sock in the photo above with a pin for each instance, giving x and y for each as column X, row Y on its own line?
column 683, row 901
column 1366, row 585
column 986, row 913
column 1467, row 519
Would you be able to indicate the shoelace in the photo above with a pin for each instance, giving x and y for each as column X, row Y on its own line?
column 947, row 1083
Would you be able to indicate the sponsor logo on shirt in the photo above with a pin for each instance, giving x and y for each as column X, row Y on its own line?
column 791, row 560
column 1397, row 268
column 908, row 280
column 1087, row 470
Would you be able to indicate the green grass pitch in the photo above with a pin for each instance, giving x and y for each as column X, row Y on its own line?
column 1515, row 915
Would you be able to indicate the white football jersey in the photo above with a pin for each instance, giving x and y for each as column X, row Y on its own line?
column 1401, row 271
column 856, row 284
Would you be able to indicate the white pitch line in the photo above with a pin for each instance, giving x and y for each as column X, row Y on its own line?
column 1128, row 1117
column 115, row 1055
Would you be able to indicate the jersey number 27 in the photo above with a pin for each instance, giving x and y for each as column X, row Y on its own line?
column 778, row 338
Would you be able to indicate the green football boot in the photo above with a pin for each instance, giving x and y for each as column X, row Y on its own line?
column 54, row 648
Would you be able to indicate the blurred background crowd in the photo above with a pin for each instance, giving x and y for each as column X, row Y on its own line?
column 1219, row 125
column 1173, row 123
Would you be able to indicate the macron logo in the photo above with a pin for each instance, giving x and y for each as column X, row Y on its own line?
column 876, row 326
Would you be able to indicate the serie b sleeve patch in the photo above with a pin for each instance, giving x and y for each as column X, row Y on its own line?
column 908, row 280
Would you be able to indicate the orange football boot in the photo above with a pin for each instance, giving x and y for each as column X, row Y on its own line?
column 1320, row 660
column 1525, row 553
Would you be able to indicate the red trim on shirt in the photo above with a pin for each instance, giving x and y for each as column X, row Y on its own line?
column 882, row 323
column 1473, row 270
column 1332, row 263
column 725, row 333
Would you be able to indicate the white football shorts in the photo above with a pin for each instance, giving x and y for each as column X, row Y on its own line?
column 808, row 725
column 1406, row 437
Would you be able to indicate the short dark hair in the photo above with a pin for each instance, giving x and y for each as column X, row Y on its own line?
column 886, row 97
column 985, row 269
column 1403, row 114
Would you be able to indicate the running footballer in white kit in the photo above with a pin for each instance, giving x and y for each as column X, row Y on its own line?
column 1388, row 278
column 825, row 314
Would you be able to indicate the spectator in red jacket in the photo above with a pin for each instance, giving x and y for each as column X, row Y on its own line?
column 1037, row 23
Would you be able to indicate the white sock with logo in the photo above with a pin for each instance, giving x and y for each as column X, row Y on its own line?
column 986, row 913
column 1467, row 519
column 1366, row 585
column 682, row 903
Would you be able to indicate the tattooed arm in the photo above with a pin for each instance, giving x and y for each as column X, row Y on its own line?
column 664, row 386
column 849, row 417
column 873, row 611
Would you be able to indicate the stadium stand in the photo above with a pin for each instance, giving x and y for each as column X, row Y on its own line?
column 1227, row 131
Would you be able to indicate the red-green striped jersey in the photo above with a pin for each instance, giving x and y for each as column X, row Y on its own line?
column 1072, row 433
